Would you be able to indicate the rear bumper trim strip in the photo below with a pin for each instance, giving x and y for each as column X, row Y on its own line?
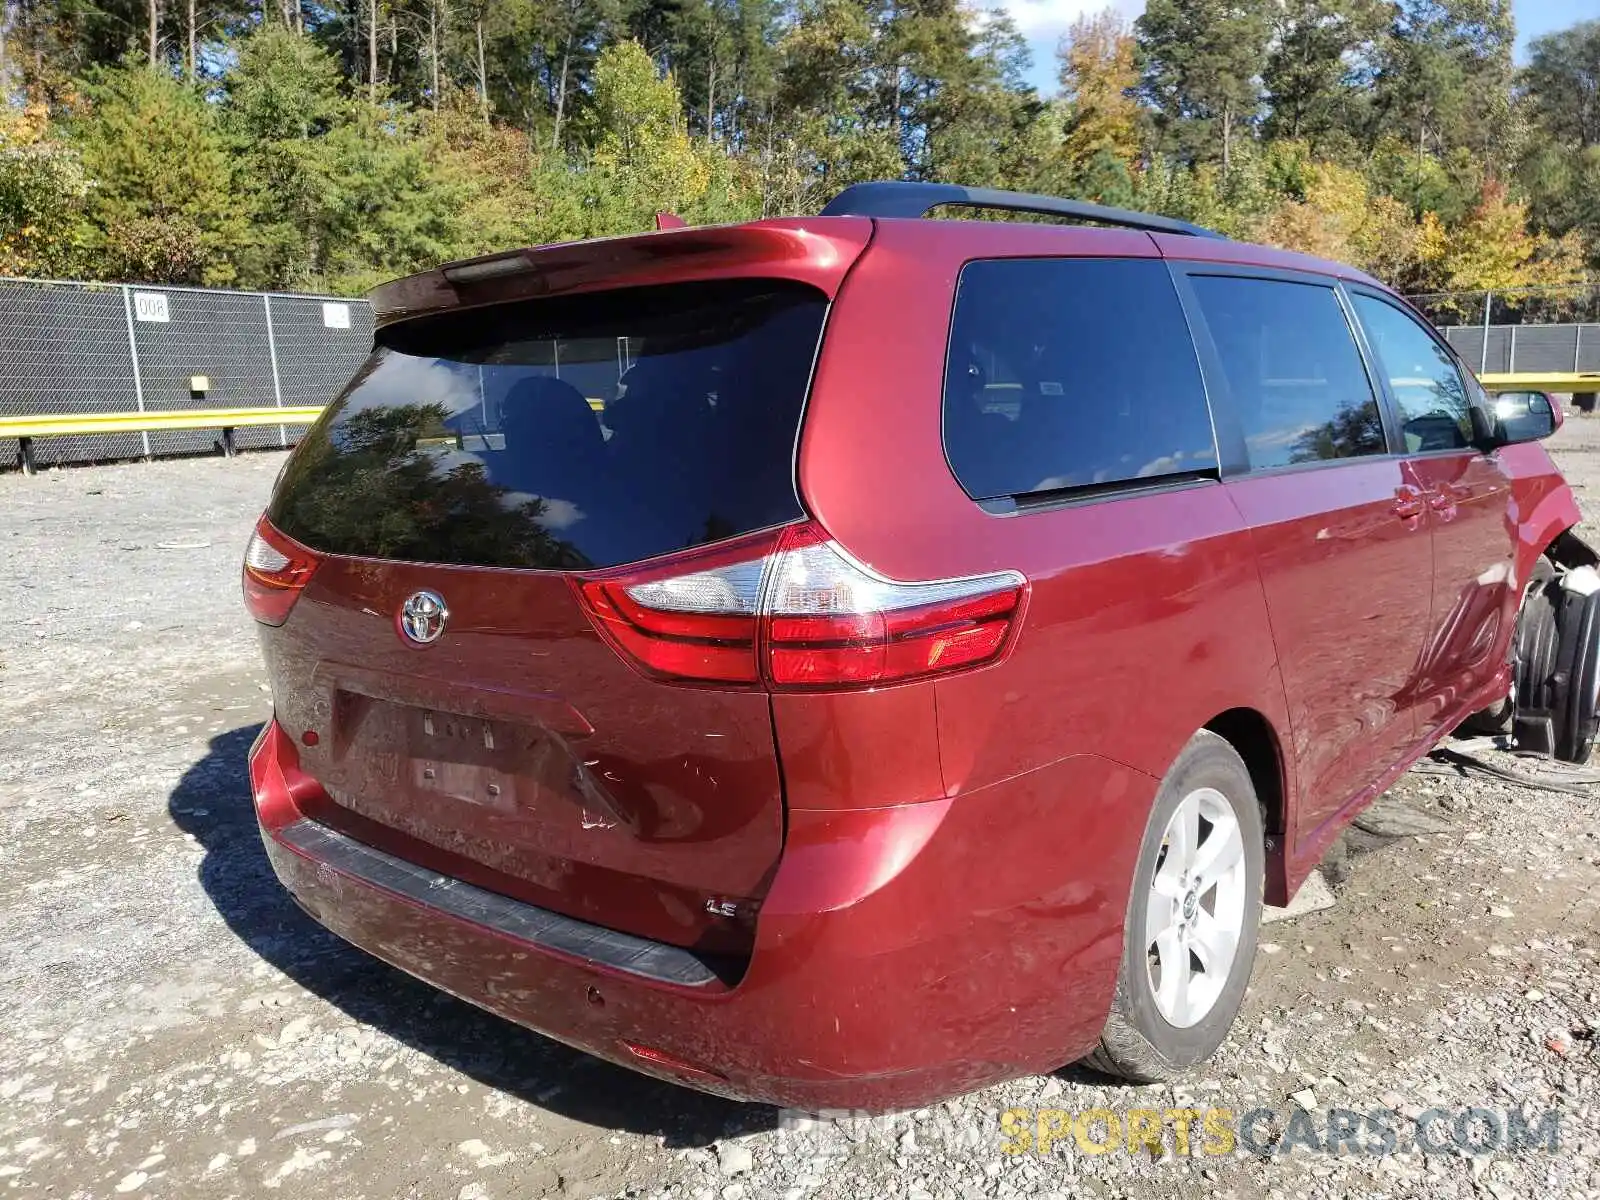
column 526, row 922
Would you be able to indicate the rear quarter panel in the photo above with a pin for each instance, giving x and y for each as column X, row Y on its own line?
column 1144, row 620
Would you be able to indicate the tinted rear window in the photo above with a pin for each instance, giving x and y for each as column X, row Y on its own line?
column 582, row 432
column 1071, row 373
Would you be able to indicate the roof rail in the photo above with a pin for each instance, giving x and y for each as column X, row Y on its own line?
column 896, row 198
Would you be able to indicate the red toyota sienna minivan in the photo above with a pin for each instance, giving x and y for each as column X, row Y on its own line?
column 846, row 661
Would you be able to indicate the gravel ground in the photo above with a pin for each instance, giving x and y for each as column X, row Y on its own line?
column 171, row 1025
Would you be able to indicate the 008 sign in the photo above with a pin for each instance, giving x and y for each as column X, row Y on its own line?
column 151, row 306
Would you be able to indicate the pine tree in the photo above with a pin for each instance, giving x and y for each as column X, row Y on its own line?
column 1444, row 77
column 1563, row 84
column 1320, row 61
column 164, row 206
column 1203, row 61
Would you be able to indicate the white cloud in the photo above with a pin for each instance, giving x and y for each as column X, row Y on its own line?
column 1037, row 18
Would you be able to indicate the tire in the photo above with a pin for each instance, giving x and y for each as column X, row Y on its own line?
column 1149, row 1036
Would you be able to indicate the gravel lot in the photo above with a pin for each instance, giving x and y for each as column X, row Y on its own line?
column 171, row 1025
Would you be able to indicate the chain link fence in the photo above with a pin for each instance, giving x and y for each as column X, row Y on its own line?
column 86, row 347
column 1520, row 329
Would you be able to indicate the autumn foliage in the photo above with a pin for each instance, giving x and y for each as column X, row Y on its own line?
column 329, row 146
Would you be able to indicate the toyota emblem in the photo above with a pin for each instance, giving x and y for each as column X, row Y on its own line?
column 422, row 617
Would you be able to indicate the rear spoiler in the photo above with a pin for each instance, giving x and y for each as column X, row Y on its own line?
column 815, row 250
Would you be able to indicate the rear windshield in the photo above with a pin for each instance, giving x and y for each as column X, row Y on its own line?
column 582, row 432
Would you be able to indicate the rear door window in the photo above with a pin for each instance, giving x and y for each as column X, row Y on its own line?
column 1071, row 373
column 1294, row 374
column 582, row 432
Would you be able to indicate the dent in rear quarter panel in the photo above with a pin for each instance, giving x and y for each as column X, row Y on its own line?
column 858, row 749
column 1145, row 619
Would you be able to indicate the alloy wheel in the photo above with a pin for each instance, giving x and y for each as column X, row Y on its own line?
column 1196, row 909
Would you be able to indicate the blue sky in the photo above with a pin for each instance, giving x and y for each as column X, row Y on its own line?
column 1044, row 21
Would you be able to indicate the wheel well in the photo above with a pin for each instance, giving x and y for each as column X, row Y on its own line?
column 1252, row 737
column 1570, row 550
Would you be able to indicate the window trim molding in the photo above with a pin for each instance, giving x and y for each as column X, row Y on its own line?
column 1137, row 488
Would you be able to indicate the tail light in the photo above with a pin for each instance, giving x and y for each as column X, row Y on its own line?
column 791, row 610
column 276, row 570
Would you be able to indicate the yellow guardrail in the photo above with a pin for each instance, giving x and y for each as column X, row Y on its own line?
column 26, row 428
column 1541, row 381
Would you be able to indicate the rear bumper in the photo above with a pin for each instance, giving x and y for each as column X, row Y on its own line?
column 902, row 954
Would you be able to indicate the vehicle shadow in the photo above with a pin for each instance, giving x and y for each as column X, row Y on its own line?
column 212, row 803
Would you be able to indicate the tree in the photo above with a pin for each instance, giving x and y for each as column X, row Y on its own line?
column 163, row 203
column 1444, row 76
column 544, row 52
column 1490, row 250
column 1560, row 168
column 1203, row 61
column 385, row 207
column 341, row 192
column 1563, row 84
column 1105, row 179
column 331, row 144
column 973, row 117
column 499, row 177
column 1563, row 189
column 1318, row 65
column 826, row 81
column 280, row 101
column 1097, row 73
column 42, row 193
column 643, row 159
column 1342, row 218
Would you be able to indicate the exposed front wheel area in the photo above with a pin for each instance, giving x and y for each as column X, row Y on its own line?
column 1196, row 908
column 1190, row 936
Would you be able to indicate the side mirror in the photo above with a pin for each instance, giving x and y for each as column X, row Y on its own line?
column 1522, row 417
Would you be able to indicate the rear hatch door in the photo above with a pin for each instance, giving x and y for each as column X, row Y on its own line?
column 467, row 714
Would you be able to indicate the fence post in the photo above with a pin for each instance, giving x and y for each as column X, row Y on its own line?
column 1577, row 344
column 1483, row 354
column 133, row 355
column 1511, row 365
column 272, row 351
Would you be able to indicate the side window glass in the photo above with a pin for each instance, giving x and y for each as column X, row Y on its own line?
column 1066, row 373
column 1434, row 403
column 1293, row 370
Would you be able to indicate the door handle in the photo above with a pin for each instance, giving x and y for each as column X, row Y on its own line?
column 1408, row 503
column 1446, row 498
